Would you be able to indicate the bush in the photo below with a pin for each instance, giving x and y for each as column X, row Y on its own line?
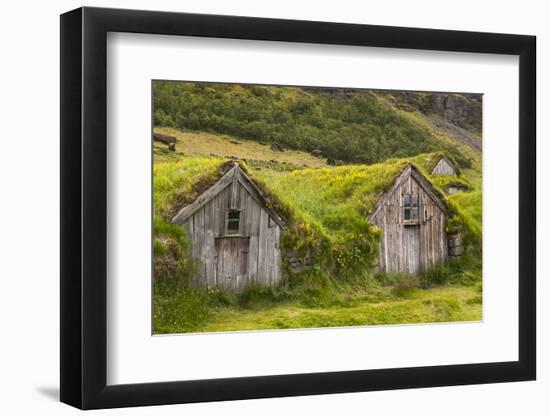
column 218, row 297
column 438, row 275
column 312, row 288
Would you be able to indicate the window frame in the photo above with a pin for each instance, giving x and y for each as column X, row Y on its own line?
column 410, row 202
column 228, row 231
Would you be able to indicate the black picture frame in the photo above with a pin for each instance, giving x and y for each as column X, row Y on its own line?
column 84, row 207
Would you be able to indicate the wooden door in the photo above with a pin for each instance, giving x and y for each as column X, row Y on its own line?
column 232, row 262
column 411, row 247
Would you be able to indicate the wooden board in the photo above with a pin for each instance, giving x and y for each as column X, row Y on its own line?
column 234, row 261
column 409, row 249
column 444, row 168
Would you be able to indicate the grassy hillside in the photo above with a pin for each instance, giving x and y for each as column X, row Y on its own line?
column 353, row 126
column 204, row 143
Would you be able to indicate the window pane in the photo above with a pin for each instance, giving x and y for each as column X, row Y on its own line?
column 414, row 200
column 407, row 213
column 414, row 213
column 233, row 227
column 406, row 200
column 233, row 220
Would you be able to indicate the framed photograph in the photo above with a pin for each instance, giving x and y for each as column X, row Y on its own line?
column 257, row 208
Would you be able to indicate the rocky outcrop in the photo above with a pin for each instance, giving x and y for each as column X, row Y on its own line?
column 462, row 110
column 459, row 109
column 297, row 262
column 277, row 147
column 166, row 139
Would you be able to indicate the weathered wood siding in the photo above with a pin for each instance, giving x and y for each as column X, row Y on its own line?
column 410, row 248
column 233, row 261
column 444, row 168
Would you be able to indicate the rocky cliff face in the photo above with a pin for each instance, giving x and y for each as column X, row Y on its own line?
column 462, row 110
column 459, row 109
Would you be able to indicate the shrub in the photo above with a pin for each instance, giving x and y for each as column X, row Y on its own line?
column 312, row 288
column 438, row 275
column 218, row 297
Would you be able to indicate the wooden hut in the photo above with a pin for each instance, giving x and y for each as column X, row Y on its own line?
column 445, row 167
column 234, row 234
column 412, row 216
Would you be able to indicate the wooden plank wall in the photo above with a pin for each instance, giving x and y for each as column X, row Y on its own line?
column 221, row 264
column 444, row 168
column 395, row 251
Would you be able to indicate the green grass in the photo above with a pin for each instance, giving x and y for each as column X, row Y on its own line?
column 204, row 143
column 444, row 304
column 180, row 179
column 470, row 204
column 339, row 199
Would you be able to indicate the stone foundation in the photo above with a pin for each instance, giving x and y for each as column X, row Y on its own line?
column 296, row 262
column 456, row 245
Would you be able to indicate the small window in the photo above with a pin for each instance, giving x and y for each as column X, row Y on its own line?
column 410, row 207
column 233, row 222
column 425, row 214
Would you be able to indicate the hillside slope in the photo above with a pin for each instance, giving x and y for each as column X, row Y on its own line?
column 354, row 126
column 204, row 143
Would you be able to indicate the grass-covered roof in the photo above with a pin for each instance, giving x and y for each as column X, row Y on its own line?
column 329, row 205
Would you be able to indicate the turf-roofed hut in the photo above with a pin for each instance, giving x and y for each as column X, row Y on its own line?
column 445, row 167
column 412, row 216
column 234, row 233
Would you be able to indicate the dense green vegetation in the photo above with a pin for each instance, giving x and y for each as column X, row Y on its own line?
column 358, row 127
column 327, row 211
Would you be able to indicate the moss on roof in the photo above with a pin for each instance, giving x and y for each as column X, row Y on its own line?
column 326, row 209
